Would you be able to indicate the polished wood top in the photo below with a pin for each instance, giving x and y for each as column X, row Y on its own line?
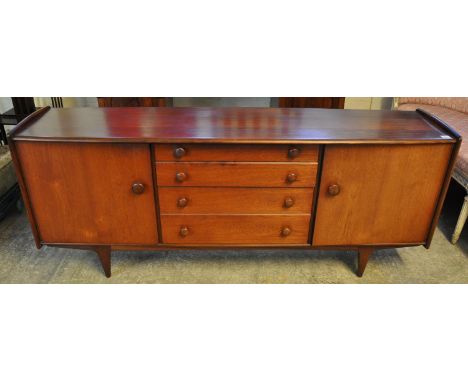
column 231, row 125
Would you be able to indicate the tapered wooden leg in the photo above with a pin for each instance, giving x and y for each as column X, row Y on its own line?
column 104, row 254
column 461, row 221
column 363, row 257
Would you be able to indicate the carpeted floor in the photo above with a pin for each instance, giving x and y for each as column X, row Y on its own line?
column 21, row 262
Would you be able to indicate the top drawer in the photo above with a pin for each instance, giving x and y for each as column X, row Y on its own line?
column 235, row 153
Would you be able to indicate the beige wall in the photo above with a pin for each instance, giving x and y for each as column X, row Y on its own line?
column 368, row 103
column 5, row 104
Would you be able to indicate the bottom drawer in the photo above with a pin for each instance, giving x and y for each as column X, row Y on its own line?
column 235, row 229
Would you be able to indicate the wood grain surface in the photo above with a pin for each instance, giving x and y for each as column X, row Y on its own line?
column 388, row 194
column 235, row 229
column 236, row 174
column 233, row 125
column 224, row 200
column 95, row 177
column 82, row 193
column 236, row 153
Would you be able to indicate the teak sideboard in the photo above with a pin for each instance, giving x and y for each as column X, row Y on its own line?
column 160, row 178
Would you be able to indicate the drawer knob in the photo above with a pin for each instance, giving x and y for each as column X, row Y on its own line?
column 182, row 202
column 291, row 177
column 181, row 176
column 286, row 231
column 293, row 152
column 184, row 231
column 333, row 189
column 138, row 188
column 288, row 202
column 179, row 152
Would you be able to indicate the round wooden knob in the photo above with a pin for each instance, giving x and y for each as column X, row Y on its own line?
column 286, row 231
column 184, row 231
column 291, row 177
column 293, row 152
column 181, row 176
column 333, row 189
column 182, row 202
column 288, row 202
column 138, row 188
column 179, row 152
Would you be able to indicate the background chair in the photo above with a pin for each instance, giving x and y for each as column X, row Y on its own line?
column 454, row 111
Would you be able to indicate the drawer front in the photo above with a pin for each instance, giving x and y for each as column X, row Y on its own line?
column 224, row 200
column 235, row 229
column 236, row 174
column 235, row 153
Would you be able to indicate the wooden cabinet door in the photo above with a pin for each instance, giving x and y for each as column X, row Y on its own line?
column 81, row 193
column 387, row 193
column 134, row 101
column 319, row 102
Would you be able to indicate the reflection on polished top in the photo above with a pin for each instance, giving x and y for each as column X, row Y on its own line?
column 231, row 125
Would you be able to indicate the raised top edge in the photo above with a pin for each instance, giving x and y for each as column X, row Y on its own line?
column 442, row 124
column 233, row 125
column 23, row 124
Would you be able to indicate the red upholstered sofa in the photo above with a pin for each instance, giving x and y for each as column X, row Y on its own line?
column 454, row 111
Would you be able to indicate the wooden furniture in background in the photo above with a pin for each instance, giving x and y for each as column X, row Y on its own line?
column 9, row 189
column 22, row 107
column 317, row 102
column 308, row 102
column 134, row 101
column 162, row 178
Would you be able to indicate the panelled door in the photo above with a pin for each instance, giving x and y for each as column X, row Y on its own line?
column 90, row 193
column 379, row 194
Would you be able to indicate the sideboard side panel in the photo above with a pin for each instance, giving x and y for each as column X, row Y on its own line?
column 388, row 193
column 81, row 193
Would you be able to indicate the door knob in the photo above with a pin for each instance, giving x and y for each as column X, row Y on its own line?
column 181, row 176
column 138, row 188
column 179, row 152
column 291, row 177
column 333, row 189
column 184, row 231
